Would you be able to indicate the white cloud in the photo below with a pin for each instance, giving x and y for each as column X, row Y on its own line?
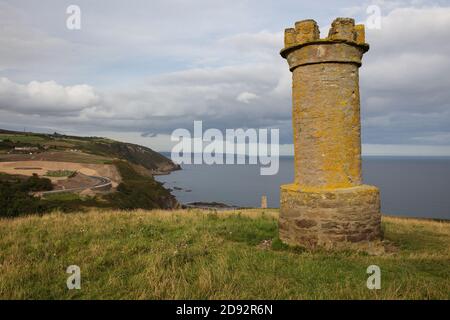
column 246, row 97
column 45, row 97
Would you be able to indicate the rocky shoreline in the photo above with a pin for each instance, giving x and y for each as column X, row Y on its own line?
column 210, row 205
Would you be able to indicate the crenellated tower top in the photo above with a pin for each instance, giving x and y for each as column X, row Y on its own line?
column 342, row 29
column 327, row 204
column 343, row 33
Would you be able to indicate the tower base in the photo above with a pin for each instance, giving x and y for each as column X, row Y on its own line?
column 329, row 218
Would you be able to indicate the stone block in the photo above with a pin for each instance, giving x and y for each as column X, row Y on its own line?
column 320, row 218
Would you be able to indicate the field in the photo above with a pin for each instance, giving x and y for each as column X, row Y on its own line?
column 97, row 150
column 24, row 138
column 194, row 254
column 63, row 196
column 55, row 169
column 57, row 156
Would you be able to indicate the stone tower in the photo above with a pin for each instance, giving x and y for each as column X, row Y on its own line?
column 264, row 202
column 327, row 205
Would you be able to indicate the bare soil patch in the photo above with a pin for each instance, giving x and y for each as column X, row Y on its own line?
column 78, row 181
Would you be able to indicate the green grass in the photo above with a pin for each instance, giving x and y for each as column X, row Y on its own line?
column 139, row 192
column 24, row 138
column 62, row 196
column 205, row 255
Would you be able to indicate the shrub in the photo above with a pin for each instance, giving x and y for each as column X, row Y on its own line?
column 34, row 183
column 15, row 201
column 139, row 192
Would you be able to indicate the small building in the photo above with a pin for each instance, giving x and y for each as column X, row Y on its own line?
column 27, row 150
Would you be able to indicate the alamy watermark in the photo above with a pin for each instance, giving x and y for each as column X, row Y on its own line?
column 73, row 21
column 373, row 21
column 236, row 146
column 74, row 280
column 374, row 280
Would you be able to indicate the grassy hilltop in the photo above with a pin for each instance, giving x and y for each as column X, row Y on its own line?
column 210, row 255
column 58, row 147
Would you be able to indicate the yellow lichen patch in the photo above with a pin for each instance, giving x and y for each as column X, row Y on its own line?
column 360, row 34
column 289, row 37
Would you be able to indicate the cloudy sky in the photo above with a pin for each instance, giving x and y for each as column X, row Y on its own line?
column 138, row 69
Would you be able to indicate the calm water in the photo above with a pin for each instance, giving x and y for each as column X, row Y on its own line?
column 417, row 187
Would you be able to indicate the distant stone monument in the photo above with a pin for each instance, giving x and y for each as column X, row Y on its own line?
column 264, row 202
column 327, row 205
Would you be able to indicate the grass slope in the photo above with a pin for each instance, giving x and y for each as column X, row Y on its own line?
column 135, row 191
column 205, row 255
column 136, row 164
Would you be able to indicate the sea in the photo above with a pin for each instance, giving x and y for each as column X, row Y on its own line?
column 409, row 186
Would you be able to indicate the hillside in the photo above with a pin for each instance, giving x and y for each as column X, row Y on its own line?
column 43, row 172
column 16, row 146
column 207, row 255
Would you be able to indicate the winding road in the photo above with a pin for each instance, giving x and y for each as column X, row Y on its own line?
column 103, row 182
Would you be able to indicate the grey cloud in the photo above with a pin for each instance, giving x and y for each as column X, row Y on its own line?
column 404, row 78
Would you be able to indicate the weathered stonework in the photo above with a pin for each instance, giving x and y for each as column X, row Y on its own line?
column 324, row 217
column 327, row 202
column 264, row 202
